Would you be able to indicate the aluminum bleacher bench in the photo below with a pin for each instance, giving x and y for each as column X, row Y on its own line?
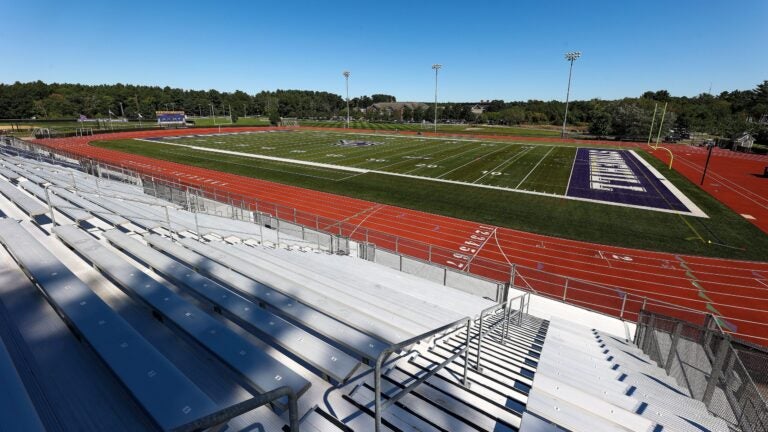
column 62, row 206
column 32, row 207
column 262, row 371
column 168, row 396
column 10, row 175
column 28, row 175
column 356, row 314
column 356, row 341
column 92, row 208
column 329, row 360
column 17, row 413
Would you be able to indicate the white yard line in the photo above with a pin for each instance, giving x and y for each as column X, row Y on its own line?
column 515, row 157
column 470, row 162
column 439, row 180
column 534, row 168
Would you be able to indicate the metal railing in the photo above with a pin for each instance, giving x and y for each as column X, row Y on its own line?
column 506, row 318
column 730, row 377
column 222, row 416
column 608, row 299
column 379, row 407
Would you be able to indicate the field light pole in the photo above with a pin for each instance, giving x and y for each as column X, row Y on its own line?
column 571, row 57
column 346, row 78
column 436, row 67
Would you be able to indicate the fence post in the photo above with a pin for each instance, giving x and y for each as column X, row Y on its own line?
column 430, row 253
column 673, row 347
column 717, row 369
column 565, row 289
column 397, row 242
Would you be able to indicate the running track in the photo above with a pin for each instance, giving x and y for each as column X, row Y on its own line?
column 604, row 278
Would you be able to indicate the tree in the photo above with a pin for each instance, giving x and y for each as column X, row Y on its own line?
column 274, row 117
column 376, row 98
column 600, row 123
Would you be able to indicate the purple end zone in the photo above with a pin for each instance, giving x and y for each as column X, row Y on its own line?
column 617, row 176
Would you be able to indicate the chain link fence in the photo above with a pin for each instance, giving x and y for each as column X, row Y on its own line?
column 729, row 376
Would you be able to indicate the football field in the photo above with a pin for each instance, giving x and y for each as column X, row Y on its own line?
column 617, row 177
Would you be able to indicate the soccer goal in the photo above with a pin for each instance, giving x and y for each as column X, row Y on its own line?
column 289, row 122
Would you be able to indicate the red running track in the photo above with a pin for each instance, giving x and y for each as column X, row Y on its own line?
column 607, row 279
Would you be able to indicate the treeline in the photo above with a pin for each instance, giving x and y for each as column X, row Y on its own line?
column 726, row 114
column 723, row 115
column 56, row 101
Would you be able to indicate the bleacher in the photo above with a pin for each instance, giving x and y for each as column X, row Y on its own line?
column 127, row 312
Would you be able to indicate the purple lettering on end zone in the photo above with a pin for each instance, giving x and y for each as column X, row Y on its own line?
column 617, row 176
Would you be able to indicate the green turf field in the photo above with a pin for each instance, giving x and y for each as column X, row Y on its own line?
column 505, row 166
column 443, row 128
column 520, row 166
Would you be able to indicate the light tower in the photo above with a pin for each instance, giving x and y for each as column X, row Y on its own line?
column 436, row 67
column 346, row 78
column 571, row 57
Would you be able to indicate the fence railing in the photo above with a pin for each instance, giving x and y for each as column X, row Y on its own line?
column 609, row 299
column 729, row 377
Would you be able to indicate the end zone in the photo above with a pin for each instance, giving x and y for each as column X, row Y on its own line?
column 622, row 177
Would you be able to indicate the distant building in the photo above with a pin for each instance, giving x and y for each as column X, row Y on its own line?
column 743, row 142
column 395, row 109
column 479, row 108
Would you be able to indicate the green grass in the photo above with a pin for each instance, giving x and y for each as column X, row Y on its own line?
column 444, row 128
column 502, row 164
column 730, row 234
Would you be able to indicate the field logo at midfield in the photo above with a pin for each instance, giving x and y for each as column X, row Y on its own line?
column 621, row 177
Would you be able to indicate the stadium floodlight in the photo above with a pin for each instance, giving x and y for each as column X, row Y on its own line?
column 436, row 67
column 346, row 78
column 571, row 57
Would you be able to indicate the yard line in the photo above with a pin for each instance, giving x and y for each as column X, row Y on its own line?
column 444, row 159
column 534, row 168
column 518, row 155
column 472, row 161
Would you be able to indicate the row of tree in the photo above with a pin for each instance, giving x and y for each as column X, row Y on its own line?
column 723, row 114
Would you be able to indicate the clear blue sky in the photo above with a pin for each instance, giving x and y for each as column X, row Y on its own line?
column 511, row 50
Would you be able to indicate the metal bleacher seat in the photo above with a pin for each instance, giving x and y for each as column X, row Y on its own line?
column 410, row 309
column 10, row 175
column 92, row 208
column 362, row 344
column 341, row 306
column 600, row 380
column 32, row 207
column 17, row 413
column 329, row 360
column 262, row 371
column 62, row 206
column 168, row 396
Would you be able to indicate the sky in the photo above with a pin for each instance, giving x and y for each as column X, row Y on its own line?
column 510, row 50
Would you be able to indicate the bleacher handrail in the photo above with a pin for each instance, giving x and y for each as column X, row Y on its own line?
column 378, row 405
column 224, row 415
